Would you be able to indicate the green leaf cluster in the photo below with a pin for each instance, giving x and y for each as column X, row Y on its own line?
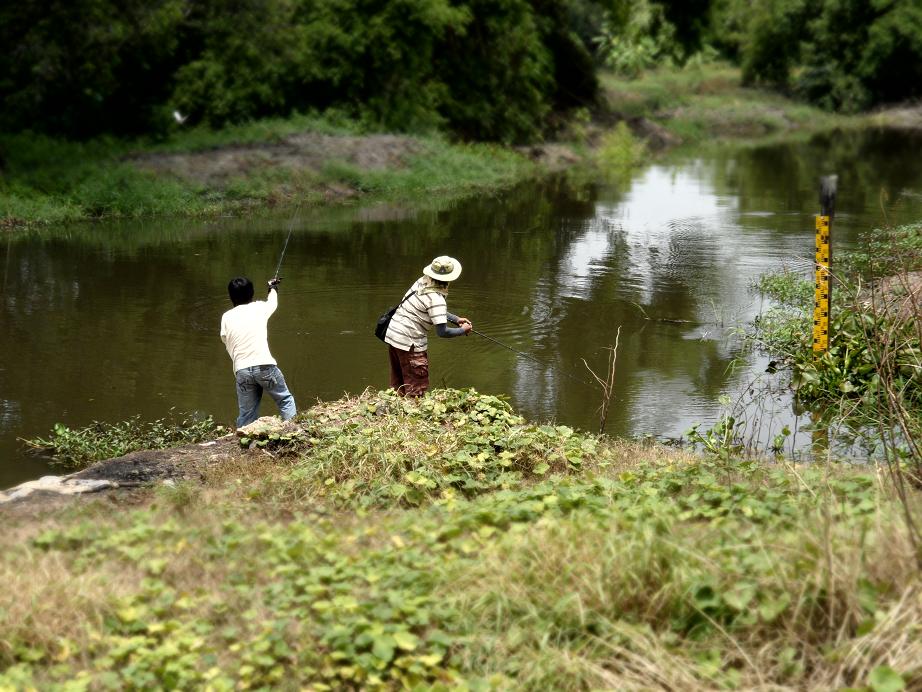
column 76, row 448
column 636, row 36
column 383, row 448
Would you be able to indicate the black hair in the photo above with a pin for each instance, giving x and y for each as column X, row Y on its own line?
column 440, row 284
column 240, row 290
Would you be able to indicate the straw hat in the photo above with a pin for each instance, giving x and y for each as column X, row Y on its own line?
column 443, row 268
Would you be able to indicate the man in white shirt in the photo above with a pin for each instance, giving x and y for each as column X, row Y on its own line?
column 244, row 332
column 422, row 307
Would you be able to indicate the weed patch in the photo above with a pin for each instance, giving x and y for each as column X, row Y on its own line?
column 447, row 542
column 77, row 448
column 869, row 337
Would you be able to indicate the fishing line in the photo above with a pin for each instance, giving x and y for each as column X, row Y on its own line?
column 533, row 358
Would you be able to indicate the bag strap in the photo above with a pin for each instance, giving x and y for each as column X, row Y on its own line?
column 405, row 297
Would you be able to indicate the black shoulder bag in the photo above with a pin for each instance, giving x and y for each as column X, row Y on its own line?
column 385, row 319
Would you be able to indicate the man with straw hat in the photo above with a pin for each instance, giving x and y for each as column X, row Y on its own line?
column 423, row 306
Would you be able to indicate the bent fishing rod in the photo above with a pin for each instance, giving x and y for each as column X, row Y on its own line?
column 532, row 358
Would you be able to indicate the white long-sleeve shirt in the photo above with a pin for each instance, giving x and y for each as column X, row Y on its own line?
column 244, row 332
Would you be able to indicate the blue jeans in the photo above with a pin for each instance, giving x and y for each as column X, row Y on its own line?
column 250, row 385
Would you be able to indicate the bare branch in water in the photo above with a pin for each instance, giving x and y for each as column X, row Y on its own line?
column 608, row 384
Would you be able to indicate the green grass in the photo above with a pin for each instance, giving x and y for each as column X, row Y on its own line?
column 442, row 166
column 449, row 543
column 701, row 102
column 267, row 130
column 51, row 181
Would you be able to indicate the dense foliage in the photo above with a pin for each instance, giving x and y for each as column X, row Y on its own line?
column 483, row 69
column 489, row 69
column 845, row 55
column 450, row 544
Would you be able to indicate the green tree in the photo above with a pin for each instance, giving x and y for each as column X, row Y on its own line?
column 846, row 55
column 500, row 74
column 87, row 66
column 486, row 69
column 240, row 55
column 771, row 46
column 636, row 36
column 691, row 19
column 858, row 54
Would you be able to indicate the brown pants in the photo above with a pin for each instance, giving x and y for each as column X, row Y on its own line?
column 409, row 371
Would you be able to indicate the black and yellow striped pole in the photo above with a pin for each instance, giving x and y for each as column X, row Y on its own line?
column 822, row 295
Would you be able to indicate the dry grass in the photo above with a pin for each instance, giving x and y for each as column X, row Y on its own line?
column 48, row 605
column 619, row 605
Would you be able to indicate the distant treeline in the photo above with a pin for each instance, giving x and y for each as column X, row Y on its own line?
column 482, row 69
column 844, row 55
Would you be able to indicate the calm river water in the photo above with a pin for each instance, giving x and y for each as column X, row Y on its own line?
column 106, row 321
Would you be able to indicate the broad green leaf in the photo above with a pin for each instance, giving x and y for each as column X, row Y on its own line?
column 740, row 596
column 383, row 647
column 885, row 679
column 773, row 607
column 406, row 640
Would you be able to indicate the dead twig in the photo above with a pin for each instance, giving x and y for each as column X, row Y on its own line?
column 608, row 384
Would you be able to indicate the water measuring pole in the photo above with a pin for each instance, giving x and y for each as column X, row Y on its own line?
column 822, row 294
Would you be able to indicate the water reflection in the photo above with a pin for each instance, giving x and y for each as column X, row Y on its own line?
column 105, row 321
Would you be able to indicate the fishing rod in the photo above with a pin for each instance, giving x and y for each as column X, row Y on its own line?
column 291, row 227
column 532, row 358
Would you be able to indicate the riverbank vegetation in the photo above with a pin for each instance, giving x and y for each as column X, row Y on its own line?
column 304, row 160
column 449, row 542
column 869, row 383
column 316, row 159
column 482, row 70
column 875, row 350
column 505, row 71
column 708, row 102
column 183, row 107
column 76, row 448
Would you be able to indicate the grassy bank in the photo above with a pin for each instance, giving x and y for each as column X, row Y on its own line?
column 449, row 542
column 304, row 159
column 702, row 102
column 319, row 159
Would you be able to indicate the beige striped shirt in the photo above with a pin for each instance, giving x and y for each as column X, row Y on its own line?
column 415, row 317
